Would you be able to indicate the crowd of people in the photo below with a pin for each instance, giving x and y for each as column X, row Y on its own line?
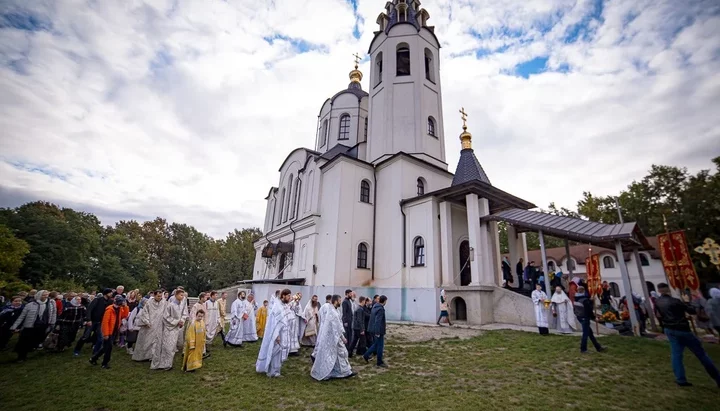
column 156, row 326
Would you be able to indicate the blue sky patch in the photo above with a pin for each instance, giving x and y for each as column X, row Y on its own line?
column 298, row 45
column 37, row 169
column 581, row 30
column 23, row 21
column 530, row 67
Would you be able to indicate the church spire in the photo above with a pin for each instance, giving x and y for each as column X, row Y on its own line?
column 356, row 75
column 469, row 168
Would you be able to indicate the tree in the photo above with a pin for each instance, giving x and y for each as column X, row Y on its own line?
column 12, row 253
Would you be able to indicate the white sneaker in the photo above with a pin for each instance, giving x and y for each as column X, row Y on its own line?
column 130, row 351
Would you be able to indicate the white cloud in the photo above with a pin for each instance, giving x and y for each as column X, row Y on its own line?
column 182, row 108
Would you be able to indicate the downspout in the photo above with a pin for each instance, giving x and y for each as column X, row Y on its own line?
column 374, row 236
column 404, row 231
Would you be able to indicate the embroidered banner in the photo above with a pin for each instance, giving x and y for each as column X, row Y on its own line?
column 594, row 281
column 674, row 250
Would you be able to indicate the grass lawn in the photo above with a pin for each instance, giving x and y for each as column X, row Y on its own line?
column 499, row 370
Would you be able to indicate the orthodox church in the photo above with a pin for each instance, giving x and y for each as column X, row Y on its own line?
column 373, row 205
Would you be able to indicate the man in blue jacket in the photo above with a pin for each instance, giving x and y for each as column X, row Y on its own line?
column 377, row 327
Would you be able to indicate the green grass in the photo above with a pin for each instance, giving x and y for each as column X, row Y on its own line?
column 501, row 370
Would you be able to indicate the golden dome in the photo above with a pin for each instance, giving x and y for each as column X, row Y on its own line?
column 465, row 136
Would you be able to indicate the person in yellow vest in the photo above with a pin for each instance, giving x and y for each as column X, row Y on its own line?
column 194, row 342
column 261, row 319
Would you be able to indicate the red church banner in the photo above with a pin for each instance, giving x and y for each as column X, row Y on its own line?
column 594, row 281
column 676, row 260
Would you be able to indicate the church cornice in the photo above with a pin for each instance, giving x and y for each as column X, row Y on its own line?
column 309, row 151
column 344, row 156
column 403, row 154
column 306, row 222
column 378, row 33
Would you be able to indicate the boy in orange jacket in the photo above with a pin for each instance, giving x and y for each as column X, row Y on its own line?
column 114, row 314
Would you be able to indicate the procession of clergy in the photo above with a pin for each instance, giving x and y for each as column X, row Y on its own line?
column 281, row 324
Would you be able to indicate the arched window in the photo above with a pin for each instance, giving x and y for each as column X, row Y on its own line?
column 379, row 68
column 280, row 210
column 418, row 252
column 420, row 187
column 323, row 133
column 614, row 290
column 362, row 256
column 403, row 59
column 429, row 70
column 295, row 199
column 286, row 209
column 365, row 191
column 431, row 126
column 608, row 262
column 366, row 126
column 344, row 127
column 644, row 260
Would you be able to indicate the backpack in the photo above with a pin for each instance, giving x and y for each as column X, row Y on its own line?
column 579, row 309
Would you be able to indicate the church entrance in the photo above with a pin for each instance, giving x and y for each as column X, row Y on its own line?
column 465, row 275
column 460, row 309
column 281, row 266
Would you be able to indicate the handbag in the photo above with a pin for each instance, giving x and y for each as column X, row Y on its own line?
column 51, row 341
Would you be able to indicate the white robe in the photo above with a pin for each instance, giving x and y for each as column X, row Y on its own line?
column 249, row 325
column 275, row 346
column 295, row 326
column 565, row 313
column 332, row 355
column 213, row 323
column 309, row 337
column 324, row 310
column 149, row 320
column 166, row 345
column 235, row 335
column 184, row 316
column 541, row 313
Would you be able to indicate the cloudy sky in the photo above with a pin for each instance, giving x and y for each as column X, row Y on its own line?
column 185, row 109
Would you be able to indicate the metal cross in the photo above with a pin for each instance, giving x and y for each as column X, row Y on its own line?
column 463, row 116
column 357, row 59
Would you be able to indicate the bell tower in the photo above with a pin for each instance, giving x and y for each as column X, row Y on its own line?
column 405, row 94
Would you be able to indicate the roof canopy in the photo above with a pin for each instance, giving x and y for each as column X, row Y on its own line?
column 575, row 229
column 498, row 199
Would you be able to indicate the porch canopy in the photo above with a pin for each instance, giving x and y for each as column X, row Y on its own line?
column 498, row 199
column 574, row 229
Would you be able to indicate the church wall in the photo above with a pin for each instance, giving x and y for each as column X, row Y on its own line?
column 329, row 206
column 460, row 233
column 388, row 238
column 422, row 222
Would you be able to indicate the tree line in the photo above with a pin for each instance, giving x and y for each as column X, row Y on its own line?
column 43, row 245
column 689, row 202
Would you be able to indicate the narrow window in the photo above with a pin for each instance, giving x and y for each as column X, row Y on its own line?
column 293, row 209
column 420, row 187
column 429, row 70
column 365, row 192
column 644, row 260
column 280, row 211
column 419, row 251
column 403, row 60
column 608, row 262
column 379, row 64
column 323, row 133
column 344, row 127
column 286, row 207
column 366, row 126
column 431, row 126
column 362, row 255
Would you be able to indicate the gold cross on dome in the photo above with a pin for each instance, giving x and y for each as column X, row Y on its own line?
column 464, row 117
column 357, row 59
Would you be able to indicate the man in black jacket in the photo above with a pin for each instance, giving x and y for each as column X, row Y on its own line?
column 583, row 308
column 358, row 326
column 671, row 312
column 347, row 317
column 377, row 327
column 519, row 269
column 93, row 321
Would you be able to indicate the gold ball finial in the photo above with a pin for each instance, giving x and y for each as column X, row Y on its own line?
column 356, row 75
column 465, row 136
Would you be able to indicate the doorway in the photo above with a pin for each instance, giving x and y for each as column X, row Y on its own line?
column 460, row 309
column 281, row 266
column 465, row 273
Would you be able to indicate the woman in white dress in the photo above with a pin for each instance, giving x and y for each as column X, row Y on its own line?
column 563, row 309
column 541, row 314
column 234, row 337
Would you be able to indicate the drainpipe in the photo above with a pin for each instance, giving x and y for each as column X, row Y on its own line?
column 374, row 236
column 404, row 234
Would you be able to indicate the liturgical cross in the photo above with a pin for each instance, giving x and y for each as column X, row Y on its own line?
column 712, row 249
column 463, row 116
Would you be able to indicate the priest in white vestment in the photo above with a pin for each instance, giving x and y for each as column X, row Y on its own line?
column 275, row 346
column 213, row 321
column 310, row 315
column 541, row 313
column 172, row 325
column 237, row 311
column 295, row 326
column 184, row 313
column 249, row 324
column 563, row 311
column 332, row 356
column 150, row 322
column 323, row 312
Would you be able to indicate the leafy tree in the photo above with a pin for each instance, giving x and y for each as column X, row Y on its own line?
column 12, row 253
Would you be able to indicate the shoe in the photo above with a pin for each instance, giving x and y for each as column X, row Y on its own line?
column 206, row 355
column 351, row 375
column 383, row 365
column 602, row 349
column 312, row 359
column 76, row 354
column 105, row 367
column 684, row 384
column 93, row 361
column 367, row 360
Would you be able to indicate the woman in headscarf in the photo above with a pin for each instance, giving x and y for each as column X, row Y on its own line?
column 562, row 309
column 69, row 323
column 443, row 309
column 541, row 316
column 35, row 321
column 713, row 309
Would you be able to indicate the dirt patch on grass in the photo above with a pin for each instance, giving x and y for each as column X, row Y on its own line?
column 417, row 333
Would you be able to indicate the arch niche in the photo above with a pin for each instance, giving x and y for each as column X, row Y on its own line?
column 459, row 309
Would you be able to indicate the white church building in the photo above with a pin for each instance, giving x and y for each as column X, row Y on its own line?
column 374, row 207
